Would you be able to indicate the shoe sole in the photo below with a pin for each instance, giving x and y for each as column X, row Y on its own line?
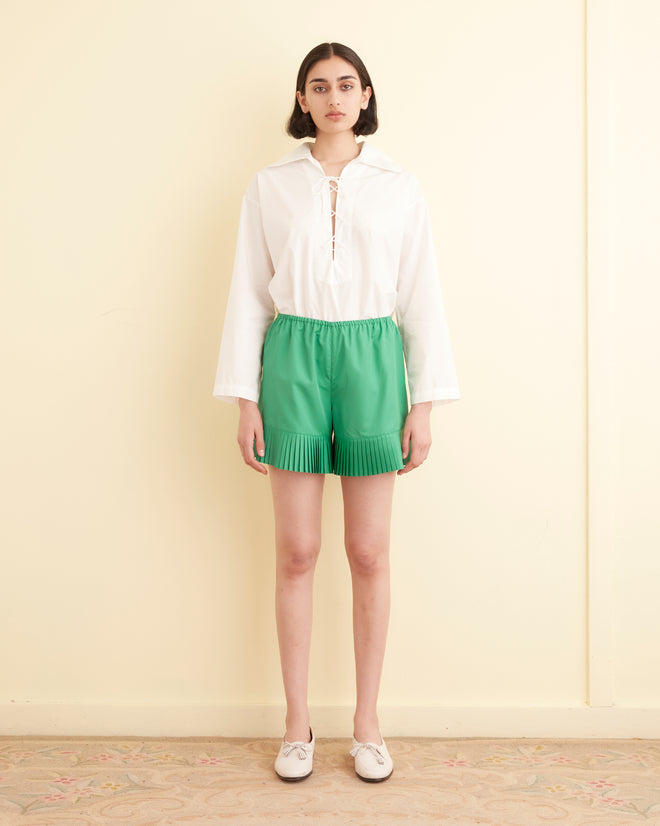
column 375, row 779
column 293, row 779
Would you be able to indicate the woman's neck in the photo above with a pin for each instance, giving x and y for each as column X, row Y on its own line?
column 335, row 149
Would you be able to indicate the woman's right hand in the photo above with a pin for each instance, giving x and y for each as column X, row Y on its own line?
column 251, row 428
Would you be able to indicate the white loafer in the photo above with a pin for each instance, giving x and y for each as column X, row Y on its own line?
column 294, row 761
column 372, row 762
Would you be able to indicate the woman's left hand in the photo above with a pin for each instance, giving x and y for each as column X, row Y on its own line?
column 416, row 436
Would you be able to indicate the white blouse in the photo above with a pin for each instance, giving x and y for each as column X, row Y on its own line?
column 379, row 261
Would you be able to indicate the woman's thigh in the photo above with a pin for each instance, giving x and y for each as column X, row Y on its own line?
column 297, row 503
column 367, row 512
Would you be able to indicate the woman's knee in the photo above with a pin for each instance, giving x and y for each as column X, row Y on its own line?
column 367, row 556
column 297, row 555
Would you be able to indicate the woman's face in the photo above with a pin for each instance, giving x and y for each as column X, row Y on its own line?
column 333, row 95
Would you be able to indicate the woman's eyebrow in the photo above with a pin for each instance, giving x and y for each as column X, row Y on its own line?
column 323, row 80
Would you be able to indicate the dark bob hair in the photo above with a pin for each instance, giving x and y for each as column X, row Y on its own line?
column 300, row 124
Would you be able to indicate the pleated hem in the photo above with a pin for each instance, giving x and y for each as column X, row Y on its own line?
column 297, row 451
column 369, row 456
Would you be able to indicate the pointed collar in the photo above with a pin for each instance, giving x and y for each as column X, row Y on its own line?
column 369, row 155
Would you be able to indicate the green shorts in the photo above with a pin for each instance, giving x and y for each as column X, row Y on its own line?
column 333, row 396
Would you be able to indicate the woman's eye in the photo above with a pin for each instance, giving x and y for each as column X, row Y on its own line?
column 319, row 88
column 347, row 86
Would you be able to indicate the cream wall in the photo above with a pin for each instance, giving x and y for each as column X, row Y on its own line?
column 624, row 254
column 137, row 588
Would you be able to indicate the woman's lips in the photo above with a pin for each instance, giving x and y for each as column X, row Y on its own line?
column 335, row 115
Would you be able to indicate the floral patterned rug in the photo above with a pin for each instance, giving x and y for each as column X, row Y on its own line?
column 48, row 781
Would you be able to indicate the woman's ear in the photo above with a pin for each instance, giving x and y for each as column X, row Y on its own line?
column 366, row 95
column 301, row 100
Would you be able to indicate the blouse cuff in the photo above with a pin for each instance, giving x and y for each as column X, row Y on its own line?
column 233, row 392
column 436, row 396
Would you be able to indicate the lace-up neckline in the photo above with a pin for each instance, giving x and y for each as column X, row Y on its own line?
column 332, row 185
column 334, row 182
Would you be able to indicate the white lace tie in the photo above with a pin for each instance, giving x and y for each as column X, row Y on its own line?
column 331, row 183
column 304, row 749
column 370, row 747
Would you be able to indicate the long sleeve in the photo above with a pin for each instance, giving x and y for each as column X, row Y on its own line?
column 250, row 308
column 421, row 314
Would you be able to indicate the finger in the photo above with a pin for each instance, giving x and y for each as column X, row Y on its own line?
column 260, row 447
column 418, row 455
column 259, row 440
column 247, row 452
column 406, row 469
column 422, row 453
column 253, row 463
column 405, row 443
column 410, row 466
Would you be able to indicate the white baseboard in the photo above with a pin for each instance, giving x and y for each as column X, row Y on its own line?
column 267, row 720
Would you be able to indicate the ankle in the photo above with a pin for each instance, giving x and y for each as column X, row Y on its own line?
column 366, row 729
column 298, row 730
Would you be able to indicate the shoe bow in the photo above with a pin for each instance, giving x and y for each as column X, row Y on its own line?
column 370, row 747
column 304, row 749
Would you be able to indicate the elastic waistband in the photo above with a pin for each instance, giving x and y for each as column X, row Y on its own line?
column 358, row 322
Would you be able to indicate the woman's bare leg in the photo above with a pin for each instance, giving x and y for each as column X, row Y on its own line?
column 367, row 516
column 297, row 499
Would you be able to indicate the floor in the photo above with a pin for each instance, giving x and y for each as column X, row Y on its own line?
column 60, row 781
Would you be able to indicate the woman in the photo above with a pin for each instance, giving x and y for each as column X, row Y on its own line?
column 337, row 237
